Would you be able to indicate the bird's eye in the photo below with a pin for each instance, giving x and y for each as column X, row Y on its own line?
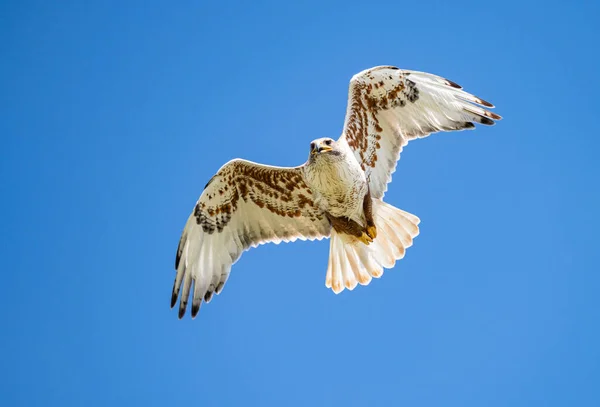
column 312, row 146
column 328, row 142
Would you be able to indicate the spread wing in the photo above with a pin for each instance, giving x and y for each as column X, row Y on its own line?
column 244, row 205
column 388, row 107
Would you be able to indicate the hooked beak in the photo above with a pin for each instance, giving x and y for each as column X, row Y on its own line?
column 321, row 148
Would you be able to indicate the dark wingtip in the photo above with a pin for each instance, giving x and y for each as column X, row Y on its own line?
column 195, row 309
column 487, row 122
column 469, row 125
column 453, row 84
column 484, row 102
column 173, row 298
column 181, row 311
column 209, row 181
column 495, row 116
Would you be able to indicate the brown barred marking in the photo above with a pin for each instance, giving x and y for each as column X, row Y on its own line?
column 365, row 106
column 346, row 226
column 281, row 191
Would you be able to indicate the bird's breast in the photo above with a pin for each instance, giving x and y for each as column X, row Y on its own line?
column 339, row 187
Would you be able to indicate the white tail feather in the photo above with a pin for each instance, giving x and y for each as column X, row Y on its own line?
column 351, row 262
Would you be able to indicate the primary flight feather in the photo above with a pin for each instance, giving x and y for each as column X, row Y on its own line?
column 337, row 193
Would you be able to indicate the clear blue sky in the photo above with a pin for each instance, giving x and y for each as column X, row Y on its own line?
column 115, row 114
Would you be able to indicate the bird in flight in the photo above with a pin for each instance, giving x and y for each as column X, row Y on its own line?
column 338, row 193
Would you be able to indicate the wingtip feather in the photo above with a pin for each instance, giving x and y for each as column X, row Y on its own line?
column 483, row 102
column 196, row 308
column 452, row 83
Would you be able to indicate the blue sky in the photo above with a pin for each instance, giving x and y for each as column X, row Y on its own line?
column 114, row 116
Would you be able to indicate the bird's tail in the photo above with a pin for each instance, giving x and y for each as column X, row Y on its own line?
column 351, row 262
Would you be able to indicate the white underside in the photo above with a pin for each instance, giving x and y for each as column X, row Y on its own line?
column 339, row 185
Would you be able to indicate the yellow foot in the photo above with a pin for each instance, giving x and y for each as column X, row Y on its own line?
column 365, row 239
column 372, row 231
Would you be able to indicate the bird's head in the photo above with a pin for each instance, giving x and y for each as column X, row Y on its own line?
column 323, row 146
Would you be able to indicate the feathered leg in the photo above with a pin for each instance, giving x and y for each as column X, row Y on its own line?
column 368, row 211
column 349, row 227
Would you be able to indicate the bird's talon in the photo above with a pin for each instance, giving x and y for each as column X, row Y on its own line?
column 365, row 239
column 372, row 231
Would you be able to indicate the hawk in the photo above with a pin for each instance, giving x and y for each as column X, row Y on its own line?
column 338, row 193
